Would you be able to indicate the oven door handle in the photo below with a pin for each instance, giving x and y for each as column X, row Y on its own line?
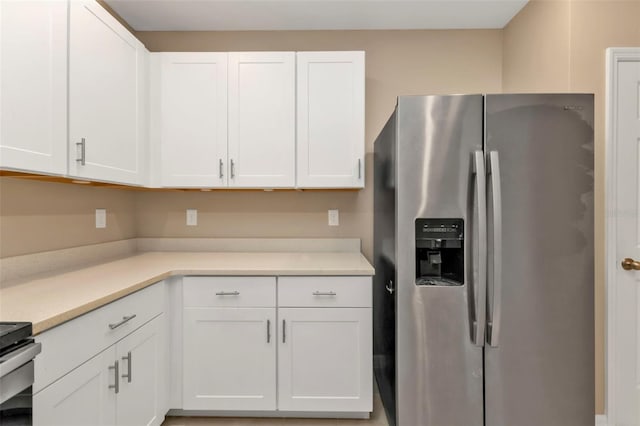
column 17, row 358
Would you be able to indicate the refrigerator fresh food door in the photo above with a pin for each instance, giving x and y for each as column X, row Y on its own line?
column 439, row 364
column 539, row 359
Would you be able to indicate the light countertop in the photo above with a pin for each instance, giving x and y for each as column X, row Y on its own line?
column 49, row 300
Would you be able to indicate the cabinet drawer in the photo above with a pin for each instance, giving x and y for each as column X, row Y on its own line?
column 229, row 292
column 127, row 314
column 321, row 292
column 70, row 344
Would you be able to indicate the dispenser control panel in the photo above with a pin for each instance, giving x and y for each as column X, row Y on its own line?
column 439, row 248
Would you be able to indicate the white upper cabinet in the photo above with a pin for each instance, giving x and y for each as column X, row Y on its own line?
column 192, row 119
column 330, row 119
column 107, row 93
column 262, row 120
column 33, row 86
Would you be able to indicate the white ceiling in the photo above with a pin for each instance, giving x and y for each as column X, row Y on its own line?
column 242, row 15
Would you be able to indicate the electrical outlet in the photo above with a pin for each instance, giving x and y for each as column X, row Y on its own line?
column 192, row 217
column 101, row 218
column 334, row 217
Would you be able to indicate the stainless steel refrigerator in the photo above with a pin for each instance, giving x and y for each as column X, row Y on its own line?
column 483, row 247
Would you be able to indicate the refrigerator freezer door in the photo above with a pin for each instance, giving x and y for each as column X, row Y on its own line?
column 439, row 369
column 542, row 370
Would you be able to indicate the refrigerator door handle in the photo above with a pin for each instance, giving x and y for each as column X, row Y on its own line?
column 493, row 323
column 481, row 284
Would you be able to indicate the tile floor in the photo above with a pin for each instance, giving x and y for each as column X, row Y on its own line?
column 378, row 418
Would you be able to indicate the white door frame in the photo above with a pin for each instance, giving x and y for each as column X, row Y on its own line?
column 615, row 55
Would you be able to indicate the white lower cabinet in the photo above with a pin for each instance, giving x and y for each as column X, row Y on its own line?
column 311, row 345
column 141, row 371
column 82, row 397
column 119, row 378
column 293, row 345
column 229, row 359
column 119, row 386
column 324, row 359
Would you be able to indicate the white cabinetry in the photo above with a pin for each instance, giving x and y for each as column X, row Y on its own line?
column 330, row 119
column 116, row 376
column 192, row 118
column 33, row 86
column 140, row 355
column 324, row 363
column 262, row 119
column 325, row 355
column 82, row 397
column 107, row 94
column 119, row 386
column 323, row 334
column 229, row 360
column 195, row 95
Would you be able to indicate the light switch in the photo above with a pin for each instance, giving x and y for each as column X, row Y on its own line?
column 334, row 217
column 101, row 218
column 192, row 217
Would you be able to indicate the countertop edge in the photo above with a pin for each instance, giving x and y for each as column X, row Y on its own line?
column 84, row 308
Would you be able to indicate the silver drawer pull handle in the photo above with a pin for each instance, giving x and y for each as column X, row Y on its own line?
column 324, row 293
column 228, row 293
column 116, row 384
column 124, row 320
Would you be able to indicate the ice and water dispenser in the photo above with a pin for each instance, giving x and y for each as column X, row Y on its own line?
column 439, row 252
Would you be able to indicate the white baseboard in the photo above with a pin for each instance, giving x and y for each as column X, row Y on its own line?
column 601, row 420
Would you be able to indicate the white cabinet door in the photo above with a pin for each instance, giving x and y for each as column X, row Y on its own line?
column 229, row 360
column 193, row 119
column 330, row 119
column 85, row 396
column 106, row 95
column 262, row 119
column 325, row 359
column 141, row 376
column 33, row 86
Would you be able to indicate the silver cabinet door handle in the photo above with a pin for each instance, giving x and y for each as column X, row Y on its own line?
column 124, row 321
column 228, row 293
column 220, row 168
column 359, row 168
column 82, row 145
column 116, row 368
column 128, row 359
column 268, row 331
column 324, row 293
column 284, row 331
column 232, row 169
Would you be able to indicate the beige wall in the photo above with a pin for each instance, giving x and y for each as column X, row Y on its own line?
column 397, row 63
column 560, row 46
column 40, row 216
